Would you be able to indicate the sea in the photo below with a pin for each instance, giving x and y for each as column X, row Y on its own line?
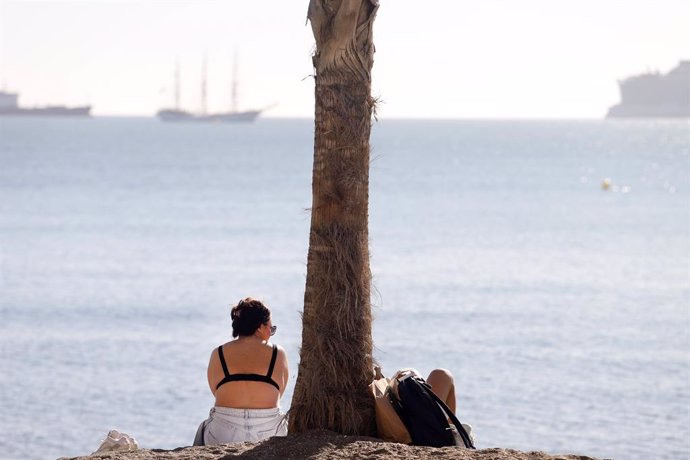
column 544, row 263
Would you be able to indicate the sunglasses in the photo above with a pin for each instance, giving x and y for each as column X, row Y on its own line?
column 273, row 330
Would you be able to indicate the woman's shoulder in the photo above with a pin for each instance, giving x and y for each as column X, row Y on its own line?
column 281, row 355
column 227, row 347
column 277, row 347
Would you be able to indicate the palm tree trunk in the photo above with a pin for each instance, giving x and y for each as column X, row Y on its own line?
column 336, row 364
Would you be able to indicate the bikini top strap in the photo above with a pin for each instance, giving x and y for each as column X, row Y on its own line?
column 222, row 361
column 273, row 361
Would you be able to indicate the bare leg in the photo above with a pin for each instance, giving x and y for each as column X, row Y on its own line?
column 442, row 383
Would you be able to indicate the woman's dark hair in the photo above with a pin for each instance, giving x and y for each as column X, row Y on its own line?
column 248, row 316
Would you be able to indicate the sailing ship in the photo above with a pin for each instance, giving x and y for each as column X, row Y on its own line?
column 655, row 95
column 233, row 116
column 9, row 105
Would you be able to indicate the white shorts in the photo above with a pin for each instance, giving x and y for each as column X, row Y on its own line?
column 239, row 425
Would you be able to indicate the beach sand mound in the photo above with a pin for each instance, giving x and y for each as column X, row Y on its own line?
column 327, row 445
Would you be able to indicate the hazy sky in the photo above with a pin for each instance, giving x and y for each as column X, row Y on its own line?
column 435, row 58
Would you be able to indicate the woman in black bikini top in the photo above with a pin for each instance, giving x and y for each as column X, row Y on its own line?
column 248, row 384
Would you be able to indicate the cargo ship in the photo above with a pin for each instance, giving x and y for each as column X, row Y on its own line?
column 655, row 95
column 9, row 105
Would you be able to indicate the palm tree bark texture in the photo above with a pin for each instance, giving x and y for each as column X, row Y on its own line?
column 336, row 363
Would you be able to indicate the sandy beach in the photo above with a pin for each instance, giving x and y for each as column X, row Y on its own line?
column 328, row 445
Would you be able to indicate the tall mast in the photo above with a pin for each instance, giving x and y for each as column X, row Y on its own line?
column 203, row 87
column 177, row 84
column 233, row 100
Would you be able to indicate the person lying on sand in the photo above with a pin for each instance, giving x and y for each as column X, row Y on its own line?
column 247, row 376
column 443, row 384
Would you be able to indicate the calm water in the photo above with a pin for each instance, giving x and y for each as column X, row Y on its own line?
column 562, row 309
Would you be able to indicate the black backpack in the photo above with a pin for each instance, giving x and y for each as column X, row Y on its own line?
column 424, row 414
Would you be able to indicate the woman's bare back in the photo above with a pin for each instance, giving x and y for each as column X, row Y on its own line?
column 248, row 355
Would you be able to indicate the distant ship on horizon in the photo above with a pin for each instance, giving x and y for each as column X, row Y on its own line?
column 655, row 95
column 9, row 105
column 233, row 116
